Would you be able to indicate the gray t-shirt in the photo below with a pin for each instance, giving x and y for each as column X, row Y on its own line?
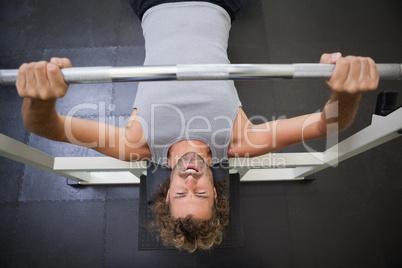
column 186, row 33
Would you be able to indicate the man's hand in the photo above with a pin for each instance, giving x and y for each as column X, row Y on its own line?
column 352, row 75
column 42, row 80
column 40, row 84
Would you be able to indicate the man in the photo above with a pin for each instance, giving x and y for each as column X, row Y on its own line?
column 188, row 125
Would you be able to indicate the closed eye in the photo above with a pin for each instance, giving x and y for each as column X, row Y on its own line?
column 200, row 195
column 180, row 195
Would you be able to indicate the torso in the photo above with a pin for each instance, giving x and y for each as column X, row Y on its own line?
column 134, row 129
column 168, row 112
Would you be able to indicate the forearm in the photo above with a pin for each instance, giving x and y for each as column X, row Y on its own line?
column 340, row 112
column 41, row 118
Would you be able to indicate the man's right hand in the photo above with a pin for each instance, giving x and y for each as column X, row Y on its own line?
column 42, row 80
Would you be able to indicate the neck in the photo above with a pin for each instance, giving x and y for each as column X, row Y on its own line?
column 177, row 150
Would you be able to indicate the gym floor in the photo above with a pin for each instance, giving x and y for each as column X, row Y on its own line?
column 350, row 216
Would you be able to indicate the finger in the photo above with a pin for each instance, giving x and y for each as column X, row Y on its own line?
column 56, row 80
column 21, row 80
column 42, row 82
column 374, row 75
column 364, row 77
column 330, row 58
column 352, row 82
column 61, row 62
column 30, row 85
column 325, row 58
column 66, row 63
column 340, row 75
column 365, row 68
column 56, row 61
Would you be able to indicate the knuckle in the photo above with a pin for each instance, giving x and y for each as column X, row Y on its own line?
column 373, row 84
column 44, row 95
column 355, row 61
column 344, row 62
column 364, row 61
column 21, row 92
column 60, row 93
column 336, row 86
column 39, row 66
column 52, row 69
column 362, row 86
column 351, row 86
column 23, row 67
column 31, row 65
column 370, row 60
column 32, row 93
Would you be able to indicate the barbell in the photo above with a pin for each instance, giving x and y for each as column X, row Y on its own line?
column 186, row 72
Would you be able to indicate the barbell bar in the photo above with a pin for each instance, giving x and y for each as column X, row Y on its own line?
column 186, row 72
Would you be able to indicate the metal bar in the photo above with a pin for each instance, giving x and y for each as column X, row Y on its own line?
column 111, row 178
column 107, row 74
column 278, row 160
column 281, row 166
column 25, row 154
column 103, row 163
column 381, row 130
column 281, row 174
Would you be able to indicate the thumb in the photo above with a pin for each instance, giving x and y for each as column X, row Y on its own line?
column 61, row 62
column 330, row 58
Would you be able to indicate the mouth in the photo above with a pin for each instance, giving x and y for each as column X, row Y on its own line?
column 191, row 169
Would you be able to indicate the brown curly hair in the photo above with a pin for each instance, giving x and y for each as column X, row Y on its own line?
column 189, row 233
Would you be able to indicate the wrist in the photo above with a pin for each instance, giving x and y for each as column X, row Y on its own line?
column 40, row 104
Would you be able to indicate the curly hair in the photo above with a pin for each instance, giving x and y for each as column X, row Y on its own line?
column 189, row 233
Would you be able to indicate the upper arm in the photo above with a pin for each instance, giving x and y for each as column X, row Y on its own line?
column 263, row 138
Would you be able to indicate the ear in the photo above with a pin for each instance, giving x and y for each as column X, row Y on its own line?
column 167, row 196
column 216, row 195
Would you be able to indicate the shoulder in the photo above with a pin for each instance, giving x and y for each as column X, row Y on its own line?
column 134, row 140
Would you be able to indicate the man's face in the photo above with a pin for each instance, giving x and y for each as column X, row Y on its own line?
column 191, row 190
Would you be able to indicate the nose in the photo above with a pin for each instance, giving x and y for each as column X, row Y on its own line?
column 190, row 182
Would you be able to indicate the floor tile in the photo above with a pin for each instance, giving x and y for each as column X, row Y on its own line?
column 332, row 229
column 11, row 171
column 130, row 32
column 349, row 216
column 61, row 234
column 85, row 24
column 248, row 28
column 23, row 23
column 386, row 208
column 42, row 185
column 8, row 224
column 385, row 171
column 265, row 230
column 289, row 21
column 10, row 179
column 123, row 192
column 122, row 240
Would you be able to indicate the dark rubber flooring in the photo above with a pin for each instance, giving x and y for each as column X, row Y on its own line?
column 350, row 216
